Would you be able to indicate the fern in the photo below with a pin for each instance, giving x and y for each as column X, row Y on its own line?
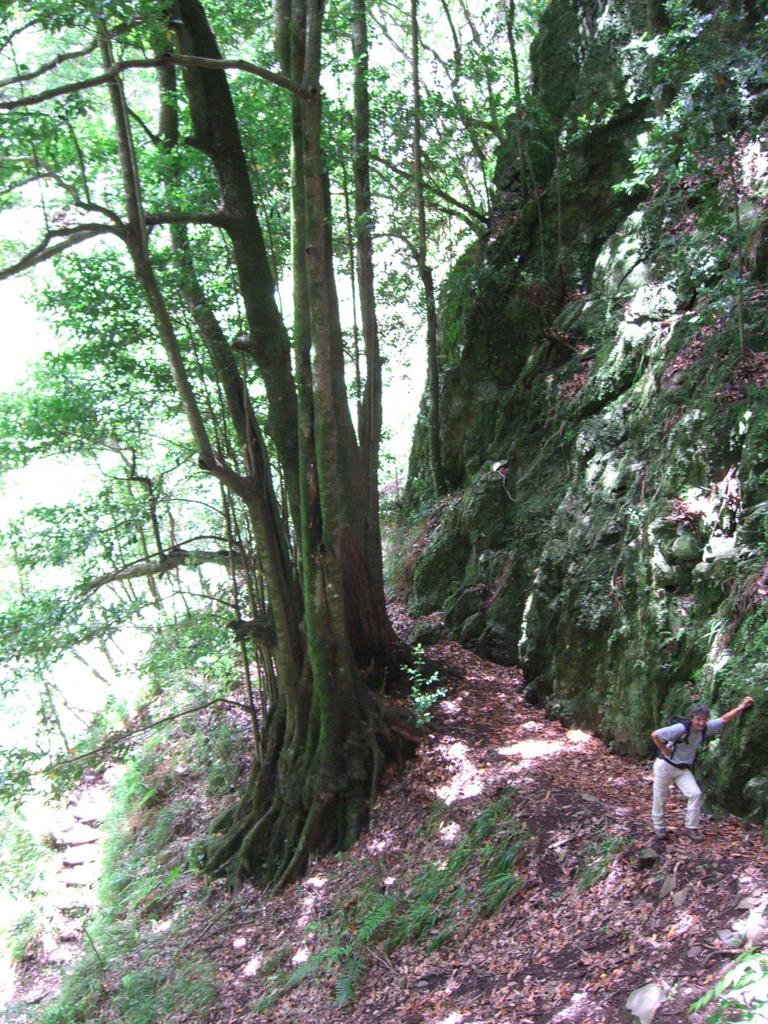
column 460, row 857
column 420, row 919
column 349, row 980
column 430, row 910
column 374, row 921
column 301, row 972
column 443, row 937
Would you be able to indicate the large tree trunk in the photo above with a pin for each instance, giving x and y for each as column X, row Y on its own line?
column 326, row 739
column 217, row 134
column 370, row 420
column 425, row 271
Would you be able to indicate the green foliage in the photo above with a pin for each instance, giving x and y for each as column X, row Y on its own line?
column 439, row 903
column 196, row 644
column 493, row 846
column 282, row 981
column 693, row 156
column 424, row 690
column 598, row 859
column 21, row 859
column 349, row 979
column 220, row 752
column 20, row 935
column 739, row 997
column 23, row 863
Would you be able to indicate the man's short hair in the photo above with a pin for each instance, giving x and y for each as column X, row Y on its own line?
column 699, row 709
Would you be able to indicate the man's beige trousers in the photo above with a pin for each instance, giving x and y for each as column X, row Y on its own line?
column 664, row 775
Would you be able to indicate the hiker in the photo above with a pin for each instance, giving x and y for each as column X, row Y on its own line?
column 677, row 746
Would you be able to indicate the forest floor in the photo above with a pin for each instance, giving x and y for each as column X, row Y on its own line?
column 404, row 928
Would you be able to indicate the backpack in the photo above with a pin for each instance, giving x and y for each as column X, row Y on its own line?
column 679, row 720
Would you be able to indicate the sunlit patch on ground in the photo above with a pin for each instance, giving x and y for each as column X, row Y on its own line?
column 467, row 779
column 573, row 1011
column 577, row 736
column 314, row 887
column 450, row 707
column 380, row 845
column 316, row 881
column 450, row 831
column 533, row 749
column 252, row 968
column 530, row 750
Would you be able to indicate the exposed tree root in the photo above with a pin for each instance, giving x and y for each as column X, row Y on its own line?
column 303, row 804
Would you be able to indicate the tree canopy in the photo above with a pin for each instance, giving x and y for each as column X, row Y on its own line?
column 181, row 171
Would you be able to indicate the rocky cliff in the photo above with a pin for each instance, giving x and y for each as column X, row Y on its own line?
column 603, row 383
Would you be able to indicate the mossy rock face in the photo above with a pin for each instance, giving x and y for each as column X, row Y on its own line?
column 440, row 570
column 756, row 796
column 472, row 628
column 754, row 463
column 426, row 633
column 499, row 644
column 686, row 549
column 464, row 603
column 606, row 435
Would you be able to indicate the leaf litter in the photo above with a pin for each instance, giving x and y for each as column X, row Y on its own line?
column 400, row 928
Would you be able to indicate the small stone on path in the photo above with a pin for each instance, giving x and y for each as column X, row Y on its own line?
column 681, row 897
column 647, row 857
column 668, row 885
column 644, row 1002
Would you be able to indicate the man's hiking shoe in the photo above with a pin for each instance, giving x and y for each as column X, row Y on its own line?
column 661, row 834
column 694, row 835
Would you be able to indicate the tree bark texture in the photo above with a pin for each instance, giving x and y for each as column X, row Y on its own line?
column 326, row 739
column 370, row 420
column 425, row 271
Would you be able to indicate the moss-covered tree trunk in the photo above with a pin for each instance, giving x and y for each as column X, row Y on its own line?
column 326, row 738
column 425, row 271
column 370, row 419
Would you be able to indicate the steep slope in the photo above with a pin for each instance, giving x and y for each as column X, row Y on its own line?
column 603, row 371
column 504, row 878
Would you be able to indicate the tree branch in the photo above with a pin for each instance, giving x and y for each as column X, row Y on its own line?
column 86, row 205
column 217, row 219
column 43, row 172
column 17, row 32
column 120, row 738
column 27, row 76
column 173, row 559
column 243, row 486
column 8, row 189
column 45, row 251
column 184, row 61
column 154, row 139
column 260, row 630
column 457, row 205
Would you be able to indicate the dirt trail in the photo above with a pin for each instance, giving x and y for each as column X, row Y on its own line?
column 588, row 927
column 570, row 947
column 74, row 834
